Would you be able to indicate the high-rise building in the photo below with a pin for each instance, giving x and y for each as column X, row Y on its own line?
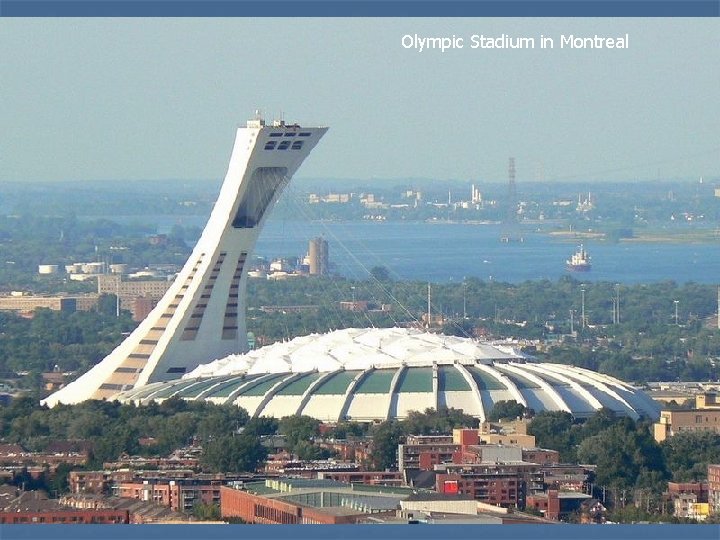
column 202, row 315
column 319, row 257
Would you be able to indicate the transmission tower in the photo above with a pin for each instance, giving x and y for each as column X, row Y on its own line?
column 511, row 227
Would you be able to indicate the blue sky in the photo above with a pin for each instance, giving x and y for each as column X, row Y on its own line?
column 122, row 99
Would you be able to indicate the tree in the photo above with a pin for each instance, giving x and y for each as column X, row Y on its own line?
column 107, row 304
column 688, row 454
column 386, row 438
column 343, row 430
column 298, row 429
column 444, row 420
column 261, row 425
column 233, row 454
column 206, row 512
column 506, row 410
column 380, row 273
column 624, row 454
column 552, row 430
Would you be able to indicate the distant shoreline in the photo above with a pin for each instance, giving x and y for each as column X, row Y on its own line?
column 690, row 237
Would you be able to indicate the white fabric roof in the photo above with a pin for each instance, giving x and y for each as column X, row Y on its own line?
column 356, row 348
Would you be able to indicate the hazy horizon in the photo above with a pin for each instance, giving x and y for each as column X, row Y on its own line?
column 145, row 99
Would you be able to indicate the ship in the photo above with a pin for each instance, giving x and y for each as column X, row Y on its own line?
column 580, row 261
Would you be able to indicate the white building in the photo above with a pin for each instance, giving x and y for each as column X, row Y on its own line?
column 202, row 315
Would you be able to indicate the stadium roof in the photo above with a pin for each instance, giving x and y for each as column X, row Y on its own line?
column 378, row 374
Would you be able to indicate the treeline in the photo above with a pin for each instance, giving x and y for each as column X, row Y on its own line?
column 631, row 465
column 645, row 345
column 50, row 339
column 27, row 240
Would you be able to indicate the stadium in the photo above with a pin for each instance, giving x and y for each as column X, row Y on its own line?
column 378, row 374
column 358, row 374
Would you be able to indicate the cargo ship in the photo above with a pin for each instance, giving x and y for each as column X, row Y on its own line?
column 579, row 262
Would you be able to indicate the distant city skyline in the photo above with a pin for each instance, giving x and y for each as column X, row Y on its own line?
column 152, row 99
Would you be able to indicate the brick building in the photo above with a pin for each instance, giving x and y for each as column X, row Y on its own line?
column 34, row 507
column 683, row 421
column 714, row 488
column 301, row 501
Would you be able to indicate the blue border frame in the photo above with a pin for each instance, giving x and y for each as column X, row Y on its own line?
column 351, row 532
column 359, row 8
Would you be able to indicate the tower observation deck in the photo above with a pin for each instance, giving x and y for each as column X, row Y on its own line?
column 202, row 315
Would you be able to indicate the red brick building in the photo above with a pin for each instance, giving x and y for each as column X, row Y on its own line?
column 488, row 484
column 65, row 516
column 254, row 508
column 548, row 504
column 180, row 494
column 713, row 485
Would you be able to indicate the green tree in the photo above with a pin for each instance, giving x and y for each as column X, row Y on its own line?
column 506, row 410
column 261, row 425
column 624, row 453
column 242, row 453
column 207, row 512
column 380, row 273
column 386, row 438
column 688, row 454
column 297, row 429
column 552, row 429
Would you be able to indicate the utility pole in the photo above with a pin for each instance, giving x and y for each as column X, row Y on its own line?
column 582, row 306
column 428, row 306
column 617, row 303
column 572, row 323
column 465, row 301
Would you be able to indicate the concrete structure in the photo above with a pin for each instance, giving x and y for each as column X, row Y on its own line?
column 707, row 400
column 713, row 492
column 293, row 501
column 34, row 507
column 26, row 302
column 682, row 421
column 319, row 257
column 130, row 290
column 47, row 269
column 375, row 374
column 687, row 505
column 202, row 315
column 119, row 268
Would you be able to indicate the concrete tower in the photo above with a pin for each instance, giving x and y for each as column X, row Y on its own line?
column 202, row 315
column 319, row 257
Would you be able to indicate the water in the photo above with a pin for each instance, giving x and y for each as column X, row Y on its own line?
column 445, row 252
column 449, row 252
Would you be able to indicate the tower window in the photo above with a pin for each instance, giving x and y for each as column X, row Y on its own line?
column 264, row 183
